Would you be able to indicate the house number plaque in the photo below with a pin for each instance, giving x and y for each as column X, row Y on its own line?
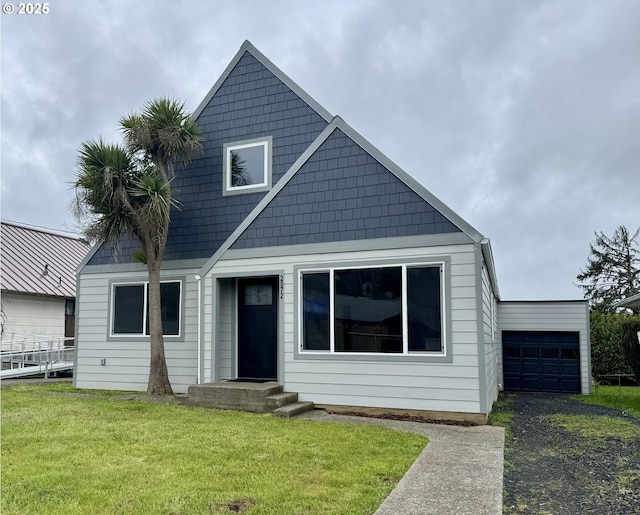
column 281, row 287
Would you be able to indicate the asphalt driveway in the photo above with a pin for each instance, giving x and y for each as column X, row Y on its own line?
column 559, row 460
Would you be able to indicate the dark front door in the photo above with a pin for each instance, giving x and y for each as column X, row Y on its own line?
column 257, row 328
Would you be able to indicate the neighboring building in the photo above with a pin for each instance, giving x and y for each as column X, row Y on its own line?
column 38, row 280
column 302, row 254
column 632, row 302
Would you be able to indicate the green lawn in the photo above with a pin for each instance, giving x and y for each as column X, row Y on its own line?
column 80, row 455
column 624, row 398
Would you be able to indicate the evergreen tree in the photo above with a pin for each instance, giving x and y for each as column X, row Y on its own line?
column 612, row 273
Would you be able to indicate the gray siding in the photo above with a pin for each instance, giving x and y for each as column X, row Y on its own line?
column 225, row 330
column 551, row 316
column 384, row 382
column 251, row 103
column 209, row 321
column 492, row 365
column 127, row 358
column 340, row 194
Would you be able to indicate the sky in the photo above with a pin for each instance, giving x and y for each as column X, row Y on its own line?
column 521, row 116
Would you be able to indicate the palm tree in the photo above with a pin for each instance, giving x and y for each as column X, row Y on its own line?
column 124, row 191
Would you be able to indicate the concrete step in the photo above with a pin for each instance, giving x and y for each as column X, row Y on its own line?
column 281, row 399
column 291, row 410
column 234, row 395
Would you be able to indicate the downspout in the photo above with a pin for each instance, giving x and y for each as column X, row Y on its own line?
column 199, row 377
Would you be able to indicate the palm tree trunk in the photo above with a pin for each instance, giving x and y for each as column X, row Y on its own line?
column 158, row 375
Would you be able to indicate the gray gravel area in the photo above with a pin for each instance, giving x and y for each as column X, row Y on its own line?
column 550, row 470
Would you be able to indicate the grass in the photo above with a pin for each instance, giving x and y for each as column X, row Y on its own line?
column 97, row 455
column 597, row 427
column 67, row 387
column 501, row 413
column 623, row 398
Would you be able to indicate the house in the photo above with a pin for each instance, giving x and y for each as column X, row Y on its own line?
column 631, row 302
column 38, row 280
column 302, row 254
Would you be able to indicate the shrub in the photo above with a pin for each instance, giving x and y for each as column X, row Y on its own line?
column 607, row 352
column 630, row 344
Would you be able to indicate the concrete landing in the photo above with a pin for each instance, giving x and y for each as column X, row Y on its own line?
column 247, row 396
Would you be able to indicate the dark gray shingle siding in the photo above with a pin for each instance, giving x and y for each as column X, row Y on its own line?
column 340, row 194
column 251, row 103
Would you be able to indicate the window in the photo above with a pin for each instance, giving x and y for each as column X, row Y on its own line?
column 368, row 310
column 258, row 295
column 70, row 307
column 131, row 310
column 424, row 309
column 315, row 317
column 392, row 309
column 247, row 166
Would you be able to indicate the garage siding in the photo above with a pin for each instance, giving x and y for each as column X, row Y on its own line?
column 551, row 317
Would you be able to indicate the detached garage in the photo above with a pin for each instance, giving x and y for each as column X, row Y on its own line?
column 545, row 346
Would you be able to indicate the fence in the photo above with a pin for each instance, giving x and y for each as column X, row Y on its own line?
column 25, row 354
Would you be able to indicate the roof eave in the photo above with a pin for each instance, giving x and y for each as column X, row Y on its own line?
column 487, row 253
column 629, row 302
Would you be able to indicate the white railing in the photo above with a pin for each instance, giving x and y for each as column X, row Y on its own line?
column 26, row 354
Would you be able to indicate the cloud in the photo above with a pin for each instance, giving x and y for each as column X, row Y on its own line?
column 523, row 117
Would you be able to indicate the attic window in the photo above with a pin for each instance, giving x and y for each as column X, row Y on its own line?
column 247, row 166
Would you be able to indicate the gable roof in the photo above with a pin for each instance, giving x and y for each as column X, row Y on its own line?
column 248, row 47
column 251, row 99
column 223, row 245
column 338, row 123
column 39, row 262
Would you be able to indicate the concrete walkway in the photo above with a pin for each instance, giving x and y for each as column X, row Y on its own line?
column 460, row 470
column 34, row 380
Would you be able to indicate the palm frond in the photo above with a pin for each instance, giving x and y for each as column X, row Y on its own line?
column 163, row 132
column 154, row 194
column 104, row 173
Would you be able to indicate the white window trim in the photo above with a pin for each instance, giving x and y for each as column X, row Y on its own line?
column 405, row 313
column 265, row 185
column 145, row 285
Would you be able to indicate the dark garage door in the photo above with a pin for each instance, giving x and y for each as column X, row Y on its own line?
column 541, row 361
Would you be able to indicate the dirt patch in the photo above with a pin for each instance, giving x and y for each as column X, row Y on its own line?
column 406, row 418
column 235, row 506
column 552, row 470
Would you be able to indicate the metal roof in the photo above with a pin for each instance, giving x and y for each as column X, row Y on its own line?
column 39, row 262
column 630, row 302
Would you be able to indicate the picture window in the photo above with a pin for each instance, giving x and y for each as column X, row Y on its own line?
column 390, row 309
